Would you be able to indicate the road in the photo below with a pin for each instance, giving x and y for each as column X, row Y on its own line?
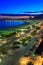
column 13, row 39
column 13, row 58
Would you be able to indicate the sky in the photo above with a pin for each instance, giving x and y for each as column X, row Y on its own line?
column 20, row 6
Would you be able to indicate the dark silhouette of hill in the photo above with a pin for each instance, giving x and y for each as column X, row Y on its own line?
column 36, row 16
column 39, row 49
column 39, row 16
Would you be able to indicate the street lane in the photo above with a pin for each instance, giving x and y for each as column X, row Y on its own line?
column 12, row 59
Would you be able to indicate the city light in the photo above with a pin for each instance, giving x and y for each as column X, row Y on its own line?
column 37, row 60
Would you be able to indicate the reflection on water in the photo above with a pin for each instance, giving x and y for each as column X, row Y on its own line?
column 7, row 24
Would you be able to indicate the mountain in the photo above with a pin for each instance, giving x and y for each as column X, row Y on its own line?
column 25, row 15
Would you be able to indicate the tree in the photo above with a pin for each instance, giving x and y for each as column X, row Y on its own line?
column 4, row 50
column 33, row 26
column 34, row 32
column 15, row 43
column 37, row 28
column 28, row 27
